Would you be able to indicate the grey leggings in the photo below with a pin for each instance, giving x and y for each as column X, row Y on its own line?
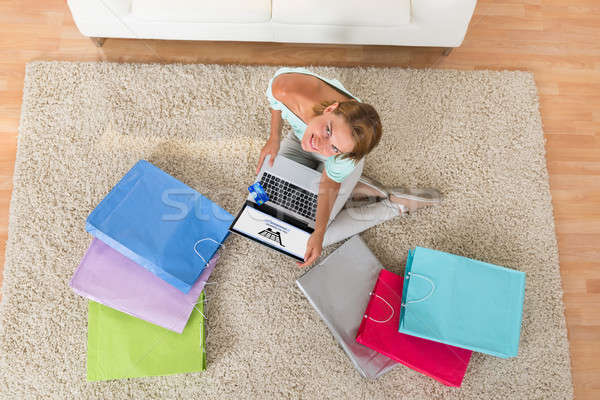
column 354, row 217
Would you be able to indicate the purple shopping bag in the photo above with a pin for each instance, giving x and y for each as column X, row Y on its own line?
column 108, row 277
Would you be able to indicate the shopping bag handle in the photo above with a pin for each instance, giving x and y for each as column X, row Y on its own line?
column 202, row 240
column 410, row 274
column 388, row 304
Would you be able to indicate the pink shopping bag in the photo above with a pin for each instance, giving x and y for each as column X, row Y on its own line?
column 379, row 331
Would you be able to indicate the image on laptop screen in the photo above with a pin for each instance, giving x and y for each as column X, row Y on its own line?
column 272, row 232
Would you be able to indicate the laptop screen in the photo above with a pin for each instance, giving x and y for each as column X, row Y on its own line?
column 272, row 232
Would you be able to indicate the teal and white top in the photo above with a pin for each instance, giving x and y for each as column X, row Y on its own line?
column 336, row 168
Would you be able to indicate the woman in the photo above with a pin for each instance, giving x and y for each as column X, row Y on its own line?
column 333, row 131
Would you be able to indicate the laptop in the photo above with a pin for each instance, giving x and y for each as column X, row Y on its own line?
column 287, row 220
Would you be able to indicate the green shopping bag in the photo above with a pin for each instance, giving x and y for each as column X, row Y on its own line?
column 122, row 346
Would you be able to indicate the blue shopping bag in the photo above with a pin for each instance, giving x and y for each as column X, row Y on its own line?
column 161, row 224
column 462, row 302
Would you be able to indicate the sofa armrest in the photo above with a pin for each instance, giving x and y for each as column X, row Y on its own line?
column 449, row 16
column 443, row 11
column 87, row 13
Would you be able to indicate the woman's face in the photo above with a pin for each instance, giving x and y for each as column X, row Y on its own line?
column 328, row 134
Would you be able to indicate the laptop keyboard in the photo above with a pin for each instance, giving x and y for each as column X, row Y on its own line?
column 290, row 196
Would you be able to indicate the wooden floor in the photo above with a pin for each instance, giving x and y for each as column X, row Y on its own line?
column 558, row 40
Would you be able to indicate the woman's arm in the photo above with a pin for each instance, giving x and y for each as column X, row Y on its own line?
column 275, row 124
column 328, row 191
column 272, row 146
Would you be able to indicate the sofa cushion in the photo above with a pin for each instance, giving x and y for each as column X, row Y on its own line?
column 220, row 11
column 345, row 13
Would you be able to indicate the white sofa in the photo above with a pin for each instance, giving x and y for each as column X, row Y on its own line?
column 439, row 23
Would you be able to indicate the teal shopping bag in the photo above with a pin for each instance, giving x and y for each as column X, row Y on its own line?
column 462, row 302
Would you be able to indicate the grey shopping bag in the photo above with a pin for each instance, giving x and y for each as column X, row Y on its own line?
column 338, row 288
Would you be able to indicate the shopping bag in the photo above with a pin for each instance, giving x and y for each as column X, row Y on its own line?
column 338, row 289
column 462, row 302
column 108, row 277
column 161, row 224
column 122, row 346
column 379, row 331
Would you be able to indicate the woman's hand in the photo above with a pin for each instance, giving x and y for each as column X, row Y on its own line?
column 314, row 247
column 271, row 148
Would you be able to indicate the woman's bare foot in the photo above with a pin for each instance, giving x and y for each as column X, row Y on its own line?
column 410, row 200
column 408, row 205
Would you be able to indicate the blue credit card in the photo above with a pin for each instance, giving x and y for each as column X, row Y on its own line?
column 258, row 193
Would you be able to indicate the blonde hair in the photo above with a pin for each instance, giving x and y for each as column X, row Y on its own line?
column 364, row 123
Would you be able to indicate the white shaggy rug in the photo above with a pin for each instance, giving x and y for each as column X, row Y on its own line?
column 475, row 135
